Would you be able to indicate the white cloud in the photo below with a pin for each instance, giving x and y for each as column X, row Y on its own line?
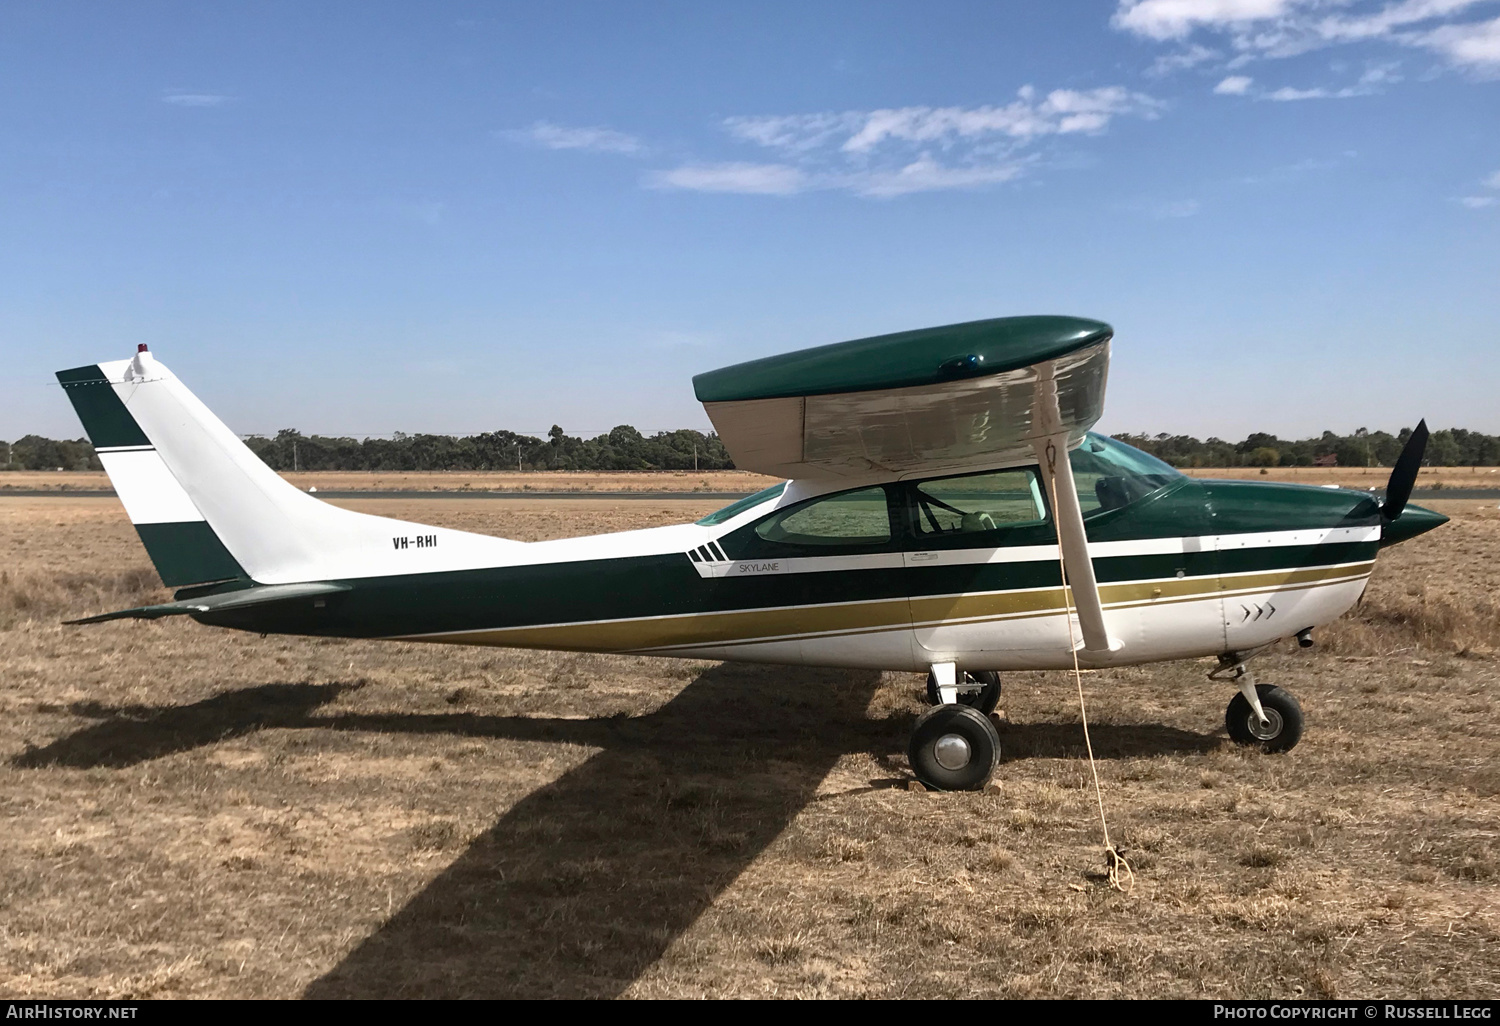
column 1175, row 19
column 899, row 150
column 1374, row 79
column 1260, row 29
column 1190, row 57
column 1234, row 85
column 1395, row 16
column 194, row 99
column 1475, row 46
column 924, row 174
column 1287, row 94
column 1478, row 202
column 927, row 175
column 1369, row 83
column 760, row 179
column 795, row 133
column 561, row 137
column 1060, row 112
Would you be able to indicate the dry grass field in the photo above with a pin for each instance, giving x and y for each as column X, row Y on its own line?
column 1362, row 478
column 192, row 812
column 708, row 481
column 446, row 481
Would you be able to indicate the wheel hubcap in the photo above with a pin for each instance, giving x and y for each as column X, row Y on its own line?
column 1267, row 732
column 951, row 752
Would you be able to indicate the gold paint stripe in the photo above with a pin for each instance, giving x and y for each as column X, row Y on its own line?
column 946, row 608
column 1201, row 596
column 694, row 629
column 757, row 626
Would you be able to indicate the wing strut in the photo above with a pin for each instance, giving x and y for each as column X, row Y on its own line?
column 1051, row 445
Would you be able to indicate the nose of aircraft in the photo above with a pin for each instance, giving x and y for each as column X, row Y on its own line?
column 1414, row 520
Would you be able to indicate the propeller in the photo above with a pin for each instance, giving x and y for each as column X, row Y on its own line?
column 1404, row 474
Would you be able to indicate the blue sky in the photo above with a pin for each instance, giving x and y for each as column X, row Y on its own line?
column 363, row 218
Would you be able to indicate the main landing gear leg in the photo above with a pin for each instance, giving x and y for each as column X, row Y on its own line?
column 1261, row 715
column 978, row 688
column 954, row 746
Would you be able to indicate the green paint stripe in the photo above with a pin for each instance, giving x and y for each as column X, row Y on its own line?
column 188, row 553
column 772, row 625
column 105, row 419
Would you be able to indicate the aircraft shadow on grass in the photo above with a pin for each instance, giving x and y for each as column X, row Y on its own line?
column 582, row 885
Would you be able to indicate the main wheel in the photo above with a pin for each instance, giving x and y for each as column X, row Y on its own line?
column 954, row 748
column 1284, row 716
column 978, row 689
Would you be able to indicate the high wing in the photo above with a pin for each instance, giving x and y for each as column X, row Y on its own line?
column 955, row 398
column 951, row 398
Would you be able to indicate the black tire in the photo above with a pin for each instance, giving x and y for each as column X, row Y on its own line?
column 1281, row 709
column 985, row 699
column 954, row 748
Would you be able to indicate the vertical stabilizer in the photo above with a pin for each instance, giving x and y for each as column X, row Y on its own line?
column 184, row 549
column 208, row 509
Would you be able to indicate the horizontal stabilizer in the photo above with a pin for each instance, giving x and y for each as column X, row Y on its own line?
column 242, row 599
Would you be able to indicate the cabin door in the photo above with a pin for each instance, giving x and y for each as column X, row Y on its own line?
column 981, row 565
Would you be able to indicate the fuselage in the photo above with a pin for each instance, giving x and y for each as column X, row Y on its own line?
column 902, row 575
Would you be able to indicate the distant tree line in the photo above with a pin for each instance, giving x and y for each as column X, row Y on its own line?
column 625, row 448
column 1450, row 447
column 33, row 452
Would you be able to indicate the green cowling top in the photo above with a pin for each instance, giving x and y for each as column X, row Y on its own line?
column 903, row 360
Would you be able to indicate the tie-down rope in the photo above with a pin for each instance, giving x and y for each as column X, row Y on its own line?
column 1121, row 876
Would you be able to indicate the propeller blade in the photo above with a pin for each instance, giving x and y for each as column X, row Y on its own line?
column 1404, row 473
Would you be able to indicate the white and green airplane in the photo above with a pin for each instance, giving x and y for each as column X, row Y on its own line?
column 940, row 482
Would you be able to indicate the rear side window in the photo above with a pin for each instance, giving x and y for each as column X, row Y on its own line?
column 849, row 518
column 734, row 509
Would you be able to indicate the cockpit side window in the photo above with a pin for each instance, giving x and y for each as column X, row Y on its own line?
column 977, row 503
column 1111, row 475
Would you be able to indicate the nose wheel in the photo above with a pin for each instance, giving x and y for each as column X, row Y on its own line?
column 1278, row 731
column 954, row 748
column 1262, row 715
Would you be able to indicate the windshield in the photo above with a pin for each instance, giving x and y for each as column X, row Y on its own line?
column 734, row 509
column 1111, row 474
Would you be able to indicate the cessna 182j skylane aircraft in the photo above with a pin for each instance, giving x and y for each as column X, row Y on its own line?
column 940, row 483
